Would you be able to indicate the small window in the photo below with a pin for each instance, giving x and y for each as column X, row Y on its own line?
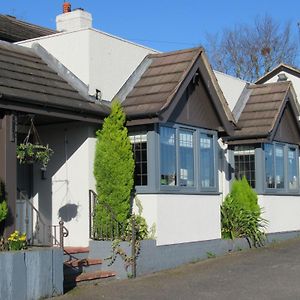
column 292, row 169
column 207, row 161
column 168, row 164
column 139, row 148
column 244, row 163
column 186, row 157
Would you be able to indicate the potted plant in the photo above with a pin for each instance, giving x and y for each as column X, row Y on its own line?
column 28, row 153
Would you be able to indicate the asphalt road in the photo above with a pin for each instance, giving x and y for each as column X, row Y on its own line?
column 266, row 273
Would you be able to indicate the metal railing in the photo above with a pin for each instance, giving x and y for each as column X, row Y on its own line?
column 108, row 228
column 38, row 232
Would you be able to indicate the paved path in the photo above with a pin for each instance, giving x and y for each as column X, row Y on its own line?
column 266, row 273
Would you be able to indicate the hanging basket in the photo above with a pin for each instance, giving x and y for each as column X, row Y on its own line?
column 29, row 153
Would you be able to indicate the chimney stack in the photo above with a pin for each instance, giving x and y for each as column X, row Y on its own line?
column 66, row 7
column 71, row 20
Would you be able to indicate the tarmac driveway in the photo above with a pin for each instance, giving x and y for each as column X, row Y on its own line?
column 266, row 273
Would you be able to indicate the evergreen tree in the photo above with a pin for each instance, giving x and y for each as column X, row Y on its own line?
column 113, row 169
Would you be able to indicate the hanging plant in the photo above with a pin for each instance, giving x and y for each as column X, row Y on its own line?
column 28, row 153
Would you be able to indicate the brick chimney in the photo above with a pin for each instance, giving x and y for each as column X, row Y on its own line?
column 73, row 20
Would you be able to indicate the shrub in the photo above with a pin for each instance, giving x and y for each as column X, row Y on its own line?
column 241, row 214
column 3, row 204
column 113, row 169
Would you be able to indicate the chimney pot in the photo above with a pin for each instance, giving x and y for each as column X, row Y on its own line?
column 66, row 7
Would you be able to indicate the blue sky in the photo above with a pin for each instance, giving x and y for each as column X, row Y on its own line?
column 164, row 25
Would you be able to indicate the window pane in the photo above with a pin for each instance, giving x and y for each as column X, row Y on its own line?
column 292, row 169
column 244, row 163
column 168, row 156
column 139, row 148
column 207, row 162
column 279, row 166
column 186, row 156
column 269, row 165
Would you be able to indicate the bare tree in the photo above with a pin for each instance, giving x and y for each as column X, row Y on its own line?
column 250, row 51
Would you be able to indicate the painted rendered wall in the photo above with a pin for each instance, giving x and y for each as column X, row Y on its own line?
column 282, row 212
column 64, row 194
column 182, row 218
column 70, row 48
column 100, row 60
column 231, row 87
column 31, row 275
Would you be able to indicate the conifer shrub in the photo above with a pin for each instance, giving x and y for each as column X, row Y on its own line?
column 113, row 170
column 241, row 214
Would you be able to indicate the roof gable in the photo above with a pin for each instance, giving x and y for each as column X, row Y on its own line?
column 263, row 111
column 281, row 67
column 158, row 90
column 287, row 130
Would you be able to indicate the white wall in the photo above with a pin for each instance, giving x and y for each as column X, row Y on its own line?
column 231, row 87
column 100, row 60
column 64, row 195
column 112, row 61
column 182, row 218
column 70, row 48
column 282, row 212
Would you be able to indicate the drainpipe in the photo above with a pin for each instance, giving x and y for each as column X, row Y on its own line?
column 224, row 148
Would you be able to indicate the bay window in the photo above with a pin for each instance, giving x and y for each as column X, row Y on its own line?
column 281, row 167
column 187, row 159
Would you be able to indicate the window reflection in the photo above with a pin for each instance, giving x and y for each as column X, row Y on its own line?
column 168, row 156
column 207, row 163
column 186, row 155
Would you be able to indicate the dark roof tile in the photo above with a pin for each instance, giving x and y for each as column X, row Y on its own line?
column 26, row 77
column 262, row 109
column 14, row 30
column 159, row 83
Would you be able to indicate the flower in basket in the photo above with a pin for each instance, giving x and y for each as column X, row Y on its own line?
column 17, row 241
column 28, row 153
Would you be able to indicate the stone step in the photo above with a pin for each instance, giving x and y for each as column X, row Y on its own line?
column 76, row 250
column 71, row 281
column 74, row 263
column 94, row 275
column 75, row 253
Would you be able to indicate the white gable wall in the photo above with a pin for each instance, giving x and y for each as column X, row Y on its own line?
column 100, row 60
column 231, row 87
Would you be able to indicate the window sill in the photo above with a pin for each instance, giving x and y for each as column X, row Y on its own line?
column 176, row 190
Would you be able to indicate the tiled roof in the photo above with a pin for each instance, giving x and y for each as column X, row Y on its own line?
column 26, row 78
column 13, row 30
column 262, row 109
column 160, row 81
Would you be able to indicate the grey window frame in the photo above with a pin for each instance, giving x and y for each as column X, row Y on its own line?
column 141, row 133
column 196, row 189
column 286, row 189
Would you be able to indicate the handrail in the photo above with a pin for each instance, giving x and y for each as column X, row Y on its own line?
column 112, row 228
column 53, row 240
column 39, row 217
